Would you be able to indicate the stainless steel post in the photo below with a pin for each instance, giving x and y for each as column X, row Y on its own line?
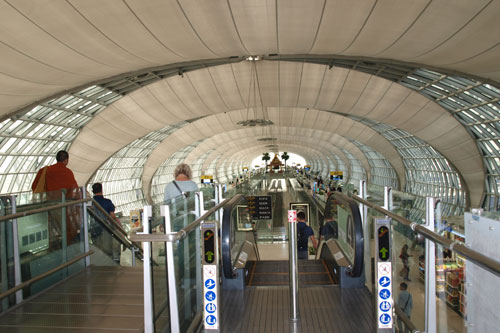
column 294, row 270
column 15, row 245
column 430, row 271
column 86, row 244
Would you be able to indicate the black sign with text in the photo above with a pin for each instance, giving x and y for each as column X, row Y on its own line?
column 259, row 207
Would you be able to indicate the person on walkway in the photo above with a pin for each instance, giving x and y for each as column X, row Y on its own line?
column 100, row 235
column 405, row 272
column 405, row 302
column 304, row 232
column 52, row 179
column 182, row 183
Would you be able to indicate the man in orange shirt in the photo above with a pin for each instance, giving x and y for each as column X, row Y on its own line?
column 60, row 177
column 57, row 176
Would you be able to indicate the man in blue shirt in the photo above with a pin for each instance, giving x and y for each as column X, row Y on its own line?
column 303, row 233
column 405, row 302
column 102, row 237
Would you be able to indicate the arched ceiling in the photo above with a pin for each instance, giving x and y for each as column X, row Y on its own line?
column 338, row 133
column 285, row 90
column 208, row 145
column 51, row 47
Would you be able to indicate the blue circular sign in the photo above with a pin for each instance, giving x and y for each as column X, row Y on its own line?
column 384, row 281
column 210, row 284
column 210, row 296
column 385, row 306
column 211, row 307
column 384, row 293
column 385, row 318
column 211, row 320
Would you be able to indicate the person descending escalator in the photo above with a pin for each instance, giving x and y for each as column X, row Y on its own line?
column 303, row 233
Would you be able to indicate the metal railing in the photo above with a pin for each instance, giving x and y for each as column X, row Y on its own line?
column 478, row 258
column 181, row 234
column 44, row 275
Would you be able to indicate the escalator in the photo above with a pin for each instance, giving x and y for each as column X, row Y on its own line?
column 276, row 273
column 330, row 298
column 340, row 259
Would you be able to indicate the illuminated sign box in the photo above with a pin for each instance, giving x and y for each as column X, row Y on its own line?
column 207, row 179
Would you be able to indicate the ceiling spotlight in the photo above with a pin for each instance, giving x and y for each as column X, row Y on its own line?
column 253, row 58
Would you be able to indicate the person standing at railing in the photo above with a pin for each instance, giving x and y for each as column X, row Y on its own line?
column 182, row 183
column 52, row 179
column 405, row 272
column 103, row 239
column 304, row 232
column 405, row 302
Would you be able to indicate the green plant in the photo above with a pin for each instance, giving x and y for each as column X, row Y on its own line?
column 285, row 157
column 266, row 158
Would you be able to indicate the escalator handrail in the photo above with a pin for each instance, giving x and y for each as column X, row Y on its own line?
column 226, row 241
column 122, row 236
column 356, row 268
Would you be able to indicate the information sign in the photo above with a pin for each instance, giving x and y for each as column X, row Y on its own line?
column 385, row 303
column 259, row 207
column 210, row 276
column 207, row 179
column 336, row 175
column 292, row 216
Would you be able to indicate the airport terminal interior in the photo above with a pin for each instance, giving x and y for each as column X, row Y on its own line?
column 377, row 119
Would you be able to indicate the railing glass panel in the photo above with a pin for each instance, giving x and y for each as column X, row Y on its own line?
column 7, row 280
column 45, row 239
column 408, row 262
column 375, row 194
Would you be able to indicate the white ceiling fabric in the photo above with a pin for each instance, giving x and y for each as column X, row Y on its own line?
column 208, row 145
column 294, row 87
column 206, row 128
column 50, row 46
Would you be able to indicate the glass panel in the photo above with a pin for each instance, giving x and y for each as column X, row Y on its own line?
column 6, row 255
column 49, row 239
column 186, row 261
column 375, row 194
column 408, row 261
column 161, row 314
column 450, row 276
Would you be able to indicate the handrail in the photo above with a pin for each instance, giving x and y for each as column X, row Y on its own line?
column 181, row 234
column 409, row 325
column 478, row 258
column 44, row 209
column 123, row 238
column 41, row 276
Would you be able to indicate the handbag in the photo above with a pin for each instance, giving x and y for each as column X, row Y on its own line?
column 41, row 186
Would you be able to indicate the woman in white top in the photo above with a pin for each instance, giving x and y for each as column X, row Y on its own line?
column 181, row 184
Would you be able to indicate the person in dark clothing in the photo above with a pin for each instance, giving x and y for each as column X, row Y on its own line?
column 102, row 238
column 304, row 232
column 404, row 258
